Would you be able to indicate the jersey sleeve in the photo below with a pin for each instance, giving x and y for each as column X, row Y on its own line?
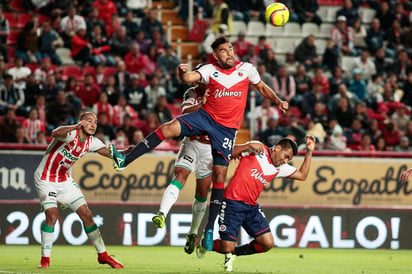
column 190, row 97
column 254, row 76
column 69, row 137
column 286, row 170
column 205, row 72
column 96, row 144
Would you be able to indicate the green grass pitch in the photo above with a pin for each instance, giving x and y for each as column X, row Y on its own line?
column 83, row 259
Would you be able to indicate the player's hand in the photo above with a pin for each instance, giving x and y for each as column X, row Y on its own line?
column 183, row 68
column 283, row 106
column 205, row 96
column 405, row 175
column 81, row 124
column 257, row 146
column 310, row 143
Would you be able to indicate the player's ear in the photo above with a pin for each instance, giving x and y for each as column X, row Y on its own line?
column 215, row 56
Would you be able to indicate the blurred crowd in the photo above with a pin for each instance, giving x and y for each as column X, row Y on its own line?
column 128, row 72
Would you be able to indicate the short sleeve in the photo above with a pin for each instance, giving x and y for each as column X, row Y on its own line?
column 69, row 137
column 286, row 170
column 96, row 144
column 205, row 72
column 254, row 76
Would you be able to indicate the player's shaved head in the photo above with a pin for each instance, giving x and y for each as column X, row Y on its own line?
column 84, row 115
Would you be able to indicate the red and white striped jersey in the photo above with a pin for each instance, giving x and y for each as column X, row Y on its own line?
column 63, row 153
column 228, row 91
column 252, row 174
column 33, row 127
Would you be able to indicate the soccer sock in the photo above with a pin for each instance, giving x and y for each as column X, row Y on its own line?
column 148, row 143
column 216, row 245
column 198, row 211
column 47, row 234
column 170, row 196
column 95, row 237
column 215, row 202
column 248, row 249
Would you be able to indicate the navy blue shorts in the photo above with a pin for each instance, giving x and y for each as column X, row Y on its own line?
column 222, row 138
column 235, row 214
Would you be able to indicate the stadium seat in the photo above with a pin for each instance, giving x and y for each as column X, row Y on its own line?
column 310, row 29
column 331, row 14
column 11, row 18
column 64, row 54
column 272, row 31
column 32, row 67
column 285, row 45
column 43, row 18
column 23, row 19
column 323, row 13
column 12, row 37
column 238, row 26
column 320, row 46
column 367, row 15
column 325, row 29
column 87, row 70
column 255, row 28
column 17, row 5
column 292, row 29
column 108, row 71
column 347, row 65
column 71, row 71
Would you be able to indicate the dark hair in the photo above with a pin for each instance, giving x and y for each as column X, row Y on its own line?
column 220, row 40
column 288, row 143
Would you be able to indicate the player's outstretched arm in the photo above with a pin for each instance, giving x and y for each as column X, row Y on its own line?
column 188, row 76
column 303, row 171
column 406, row 174
column 269, row 93
column 61, row 132
column 251, row 146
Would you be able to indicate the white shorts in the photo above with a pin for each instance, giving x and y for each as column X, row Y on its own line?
column 67, row 194
column 195, row 156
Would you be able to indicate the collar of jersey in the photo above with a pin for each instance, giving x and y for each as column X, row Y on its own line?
column 228, row 71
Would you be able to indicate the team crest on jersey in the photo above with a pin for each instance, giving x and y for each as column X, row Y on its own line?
column 78, row 149
column 222, row 228
column 240, row 74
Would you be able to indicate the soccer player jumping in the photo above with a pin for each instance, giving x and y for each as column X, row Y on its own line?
column 220, row 118
column 54, row 184
column 240, row 207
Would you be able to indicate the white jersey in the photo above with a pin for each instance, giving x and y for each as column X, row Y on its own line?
column 62, row 153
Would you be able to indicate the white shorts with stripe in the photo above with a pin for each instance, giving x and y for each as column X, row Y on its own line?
column 195, row 156
column 67, row 194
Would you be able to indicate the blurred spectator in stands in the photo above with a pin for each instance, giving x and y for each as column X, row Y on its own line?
column 395, row 37
column 221, row 15
column 60, row 112
column 32, row 90
column 319, row 114
column 306, row 10
column 401, row 117
column 310, row 98
column 403, row 145
column 153, row 91
column 290, row 62
column 357, row 86
column 103, row 105
column 303, row 83
column 374, row 91
column 50, row 88
column 93, row 20
column 305, row 53
column 241, row 45
column 366, row 143
column 168, row 61
column 336, row 139
column 345, row 93
column 284, row 84
column 265, row 76
column 391, row 134
column 385, row 15
column 247, row 10
column 151, row 60
column 389, row 95
column 344, row 112
column 122, row 77
column 251, row 56
column 263, row 113
column 81, row 48
column 354, row 134
column 359, row 35
column 45, row 69
column 58, row 76
column 350, row 12
column 4, row 32
column 27, row 44
column 150, row 22
column 210, row 37
column 11, row 97
column 120, row 139
column 361, row 114
column 8, row 126
column 343, row 37
column 106, row 9
column 366, row 66
column 41, row 108
column 375, row 38
column 272, row 133
column 33, row 125
column 136, row 95
column 150, row 124
column 408, row 131
column 316, row 130
column 157, row 40
column 128, row 127
column 407, row 88
column 381, row 63
column 101, row 48
column 402, row 15
column 322, row 80
column 49, row 40
column 70, row 24
column 111, row 90
column 138, row 136
column 21, row 136
column 135, row 61
column 120, row 42
column 89, row 92
column 262, row 47
column 121, row 110
column 72, row 88
column 105, row 127
column 142, row 41
column 113, row 26
column 330, row 58
column 381, row 144
column 19, row 73
column 295, row 129
column 131, row 26
column 374, row 131
column 162, row 110
column 40, row 138
column 402, row 65
column 337, row 79
column 98, row 75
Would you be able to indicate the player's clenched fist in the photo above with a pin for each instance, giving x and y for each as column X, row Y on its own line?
column 310, row 143
column 183, row 68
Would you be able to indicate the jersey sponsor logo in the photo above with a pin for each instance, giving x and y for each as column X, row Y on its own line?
column 227, row 93
column 258, row 176
column 52, row 194
column 188, row 158
column 78, row 149
column 68, row 155
column 215, row 74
